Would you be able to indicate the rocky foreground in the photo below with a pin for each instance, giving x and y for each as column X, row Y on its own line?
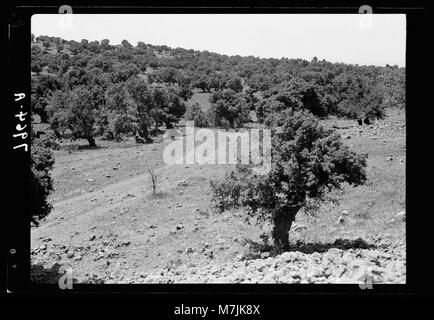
column 381, row 260
column 385, row 263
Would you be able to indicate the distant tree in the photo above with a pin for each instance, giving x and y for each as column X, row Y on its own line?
column 32, row 37
column 141, row 45
column 119, row 112
column 94, row 46
column 105, row 44
column 202, row 82
column 74, row 114
column 229, row 106
column 392, row 83
column 251, row 99
column 358, row 98
column 83, row 44
column 295, row 94
column 234, row 84
column 260, row 82
column 142, row 98
column 185, row 92
column 36, row 67
column 168, row 75
column 43, row 87
column 168, row 106
column 126, row 44
column 46, row 44
column 217, row 82
column 123, row 72
column 194, row 113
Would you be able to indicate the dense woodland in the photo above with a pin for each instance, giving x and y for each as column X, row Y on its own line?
column 92, row 88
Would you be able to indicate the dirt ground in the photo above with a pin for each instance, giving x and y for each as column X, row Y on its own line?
column 109, row 228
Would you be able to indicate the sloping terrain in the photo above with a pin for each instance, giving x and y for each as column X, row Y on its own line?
column 108, row 226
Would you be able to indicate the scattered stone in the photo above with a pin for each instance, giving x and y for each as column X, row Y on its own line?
column 179, row 227
column 90, row 180
column 92, row 238
column 115, row 168
column 182, row 183
column 341, row 220
column 345, row 213
column 209, row 254
column 400, row 215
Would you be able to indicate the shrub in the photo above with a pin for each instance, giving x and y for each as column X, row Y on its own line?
column 227, row 105
column 308, row 161
column 41, row 184
column 74, row 114
column 358, row 97
column 48, row 141
column 195, row 113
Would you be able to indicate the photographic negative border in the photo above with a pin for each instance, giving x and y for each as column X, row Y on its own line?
column 18, row 226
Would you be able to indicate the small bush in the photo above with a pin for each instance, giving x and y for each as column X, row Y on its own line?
column 49, row 141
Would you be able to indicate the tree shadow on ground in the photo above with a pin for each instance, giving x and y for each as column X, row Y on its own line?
column 343, row 244
column 87, row 147
column 258, row 249
column 77, row 147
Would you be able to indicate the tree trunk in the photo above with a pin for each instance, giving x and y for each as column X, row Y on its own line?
column 367, row 121
column 91, row 141
column 145, row 134
column 231, row 123
column 169, row 125
column 44, row 117
column 282, row 221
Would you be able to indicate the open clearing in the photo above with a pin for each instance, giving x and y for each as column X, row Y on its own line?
column 108, row 227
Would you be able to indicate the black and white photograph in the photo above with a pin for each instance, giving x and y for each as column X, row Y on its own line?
column 218, row 149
